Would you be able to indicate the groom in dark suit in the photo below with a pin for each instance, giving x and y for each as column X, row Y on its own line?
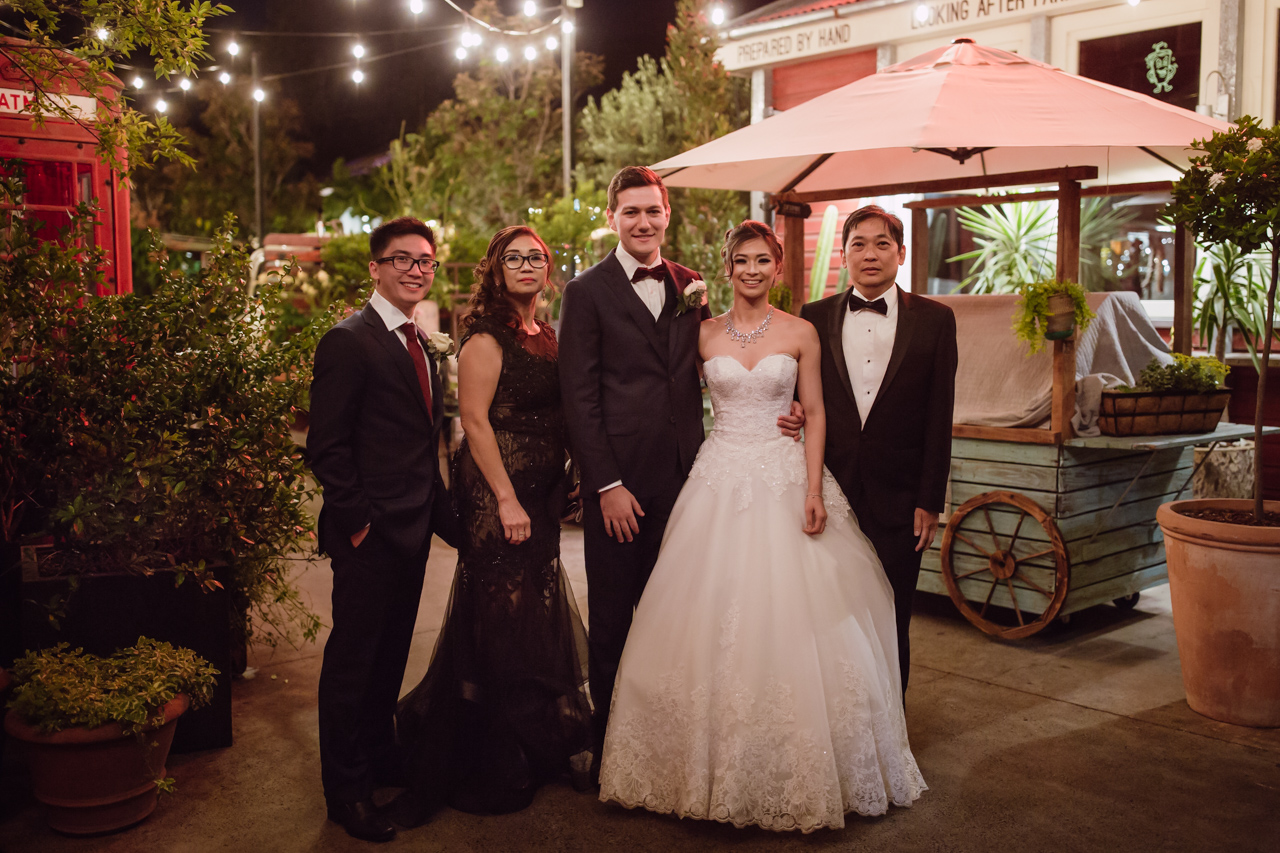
column 377, row 405
column 888, row 382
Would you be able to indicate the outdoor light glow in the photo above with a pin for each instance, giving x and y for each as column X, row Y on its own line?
column 566, row 27
column 552, row 42
column 416, row 7
column 259, row 95
column 717, row 15
column 530, row 53
column 184, row 84
column 922, row 13
column 503, row 54
column 233, row 48
column 1134, row 2
column 530, row 8
column 224, row 78
column 138, row 82
column 103, row 33
column 161, row 106
column 357, row 50
column 470, row 39
column 357, row 76
column 461, row 53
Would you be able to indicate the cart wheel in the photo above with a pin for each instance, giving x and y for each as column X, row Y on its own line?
column 1128, row 602
column 990, row 562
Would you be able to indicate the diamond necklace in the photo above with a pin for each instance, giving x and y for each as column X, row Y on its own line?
column 745, row 338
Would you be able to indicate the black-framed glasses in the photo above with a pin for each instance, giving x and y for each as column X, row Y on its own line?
column 404, row 263
column 514, row 261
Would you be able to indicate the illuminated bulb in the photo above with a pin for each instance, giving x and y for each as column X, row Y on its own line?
column 503, row 54
column 530, row 53
column 566, row 27
column 184, row 84
column 233, row 48
column 357, row 76
column 224, row 78
column 1134, row 2
column 138, row 82
column 530, row 8
column 717, row 15
column 552, row 42
column 461, row 53
column 416, row 7
column 922, row 13
column 357, row 50
column 161, row 106
column 103, row 33
column 259, row 95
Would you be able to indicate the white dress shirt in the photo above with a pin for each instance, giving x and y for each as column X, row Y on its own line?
column 393, row 317
column 868, row 342
column 652, row 293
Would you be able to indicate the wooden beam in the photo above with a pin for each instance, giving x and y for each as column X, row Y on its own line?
column 1020, row 435
column 1068, row 231
column 793, row 260
column 1085, row 192
column 1184, row 274
column 1064, row 388
column 973, row 182
column 920, row 251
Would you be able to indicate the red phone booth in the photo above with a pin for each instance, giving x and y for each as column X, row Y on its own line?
column 61, row 163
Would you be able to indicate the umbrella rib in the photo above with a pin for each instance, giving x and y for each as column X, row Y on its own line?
column 806, row 173
column 1162, row 159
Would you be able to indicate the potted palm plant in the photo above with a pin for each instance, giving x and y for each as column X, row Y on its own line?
column 96, row 731
column 1224, row 555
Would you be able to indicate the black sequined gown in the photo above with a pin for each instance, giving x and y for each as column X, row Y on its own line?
column 503, row 706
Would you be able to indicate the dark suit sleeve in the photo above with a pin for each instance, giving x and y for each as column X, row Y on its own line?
column 580, row 370
column 937, row 448
column 336, row 397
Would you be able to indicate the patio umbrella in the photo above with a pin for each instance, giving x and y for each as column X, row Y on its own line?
column 958, row 111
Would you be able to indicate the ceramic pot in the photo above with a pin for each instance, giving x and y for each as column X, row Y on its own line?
column 1062, row 317
column 1224, row 582
column 96, row 780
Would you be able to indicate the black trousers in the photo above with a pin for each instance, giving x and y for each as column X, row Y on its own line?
column 375, row 604
column 616, row 576
column 896, row 547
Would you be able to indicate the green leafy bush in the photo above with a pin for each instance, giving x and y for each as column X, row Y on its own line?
column 1186, row 374
column 1031, row 320
column 58, row 688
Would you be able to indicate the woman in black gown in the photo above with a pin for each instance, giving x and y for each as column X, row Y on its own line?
column 503, row 706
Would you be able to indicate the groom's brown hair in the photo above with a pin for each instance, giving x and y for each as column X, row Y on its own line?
column 635, row 176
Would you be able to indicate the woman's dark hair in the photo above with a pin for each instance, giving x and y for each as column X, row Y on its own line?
column 749, row 229
column 489, row 293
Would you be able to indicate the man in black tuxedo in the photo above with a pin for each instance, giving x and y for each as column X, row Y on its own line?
column 888, row 381
column 633, row 405
column 376, row 410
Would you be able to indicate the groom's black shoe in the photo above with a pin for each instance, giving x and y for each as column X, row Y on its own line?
column 362, row 820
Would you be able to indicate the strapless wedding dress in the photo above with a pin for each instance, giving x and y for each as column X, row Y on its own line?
column 760, row 681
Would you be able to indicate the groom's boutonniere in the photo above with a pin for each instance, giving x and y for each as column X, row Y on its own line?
column 694, row 296
column 439, row 344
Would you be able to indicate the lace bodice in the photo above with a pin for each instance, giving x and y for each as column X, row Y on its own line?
column 747, row 403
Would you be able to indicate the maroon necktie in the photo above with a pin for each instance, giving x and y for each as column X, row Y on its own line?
column 419, row 361
column 657, row 272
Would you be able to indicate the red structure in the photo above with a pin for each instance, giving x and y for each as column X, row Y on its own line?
column 61, row 164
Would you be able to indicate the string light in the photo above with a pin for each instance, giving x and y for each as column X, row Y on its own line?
column 530, row 8
column 470, row 39
column 461, row 53
column 138, row 82
column 357, row 50
column 530, row 53
column 552, row 42
column 103, row 33
column 224, row 78
column 922, row 13
column 259, row 95
column 184, row 84
column 233, row 48
column 161, row 106
column 357, row 76
column 566, row 27
column 717, row 15
column 416, row 7
column 502, row 54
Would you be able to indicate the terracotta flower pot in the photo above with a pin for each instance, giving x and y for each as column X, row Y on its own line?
column 1062, row 318
column 96, row 780
column 1224, row 581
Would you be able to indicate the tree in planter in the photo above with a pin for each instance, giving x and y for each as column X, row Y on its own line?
column 152, row 433
column 1231, row 194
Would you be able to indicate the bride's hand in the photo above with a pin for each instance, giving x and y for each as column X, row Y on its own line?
column 815, row 515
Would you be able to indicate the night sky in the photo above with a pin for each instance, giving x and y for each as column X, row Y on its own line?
column 345, row 120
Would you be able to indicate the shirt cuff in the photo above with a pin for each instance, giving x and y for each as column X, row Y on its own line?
column 613, row 485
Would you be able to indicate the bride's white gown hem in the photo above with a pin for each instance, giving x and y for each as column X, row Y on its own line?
column 759, row 685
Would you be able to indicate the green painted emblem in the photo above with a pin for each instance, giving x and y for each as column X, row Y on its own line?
column 1161, row 66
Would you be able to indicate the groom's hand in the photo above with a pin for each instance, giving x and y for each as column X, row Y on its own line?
column 926, row 527
column 620, row 508
column 792, row 424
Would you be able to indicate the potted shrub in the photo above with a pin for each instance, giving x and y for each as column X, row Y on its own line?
column 1184, row 396
column 96, row 731
column 1224, row 555
column 1050, row 310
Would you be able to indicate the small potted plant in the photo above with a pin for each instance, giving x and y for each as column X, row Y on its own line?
column 96, row 731
column 1050, row 310
column 1184, row 396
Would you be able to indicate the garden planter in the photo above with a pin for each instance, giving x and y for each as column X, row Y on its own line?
column 1062, row 318
column 1224, row 581
column 1160, row 412
column 96, row 780
column 1227, row 472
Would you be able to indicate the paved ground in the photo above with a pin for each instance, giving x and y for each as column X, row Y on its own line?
column 1077, row 739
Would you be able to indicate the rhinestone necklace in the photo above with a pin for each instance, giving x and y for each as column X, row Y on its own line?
column 745, row 338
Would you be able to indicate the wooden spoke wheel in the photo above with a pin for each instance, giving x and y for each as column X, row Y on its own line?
column 1005, row 564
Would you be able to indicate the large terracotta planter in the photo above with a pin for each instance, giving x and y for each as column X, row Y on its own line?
column 96, row 780
column 1224, row 581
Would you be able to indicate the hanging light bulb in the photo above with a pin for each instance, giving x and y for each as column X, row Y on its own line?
column 184, row 84
column 138, row 82
column 530, row 8
column 566, row 27
column 103, row 33
column 233, row 48
column 357, row 50
column 259, row 95
column 461, row 53
column 552, row 42
column 717, row 14
column 922, row 13
column 416, row 7
column 161, row 106
column 224, row 78
column 530, row 53
column 357, row 76
column 503, row 54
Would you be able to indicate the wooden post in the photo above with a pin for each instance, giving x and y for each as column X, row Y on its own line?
column 919, row 251
column 1068, row 231
column 1184, row 268
column 1064, row 388
column 793, row 260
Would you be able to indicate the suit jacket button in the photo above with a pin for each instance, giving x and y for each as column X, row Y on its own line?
column 673, row 418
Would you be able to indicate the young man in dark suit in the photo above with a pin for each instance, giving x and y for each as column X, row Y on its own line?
column 888, row 381
column 376, row 410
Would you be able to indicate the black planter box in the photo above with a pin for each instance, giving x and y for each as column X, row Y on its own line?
column 110, row 612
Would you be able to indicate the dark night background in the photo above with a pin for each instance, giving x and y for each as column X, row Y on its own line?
column 350, row 121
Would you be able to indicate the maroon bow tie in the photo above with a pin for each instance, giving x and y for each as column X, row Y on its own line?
column 657, row 272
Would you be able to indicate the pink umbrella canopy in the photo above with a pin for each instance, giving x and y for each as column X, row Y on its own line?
column 959, row 111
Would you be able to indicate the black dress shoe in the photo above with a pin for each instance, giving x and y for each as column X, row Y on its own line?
column 362, row 820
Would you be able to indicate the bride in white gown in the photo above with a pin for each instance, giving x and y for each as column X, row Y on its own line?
column 760, row 681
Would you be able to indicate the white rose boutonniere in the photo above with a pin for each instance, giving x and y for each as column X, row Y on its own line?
column 439, row 344
column 694, row 296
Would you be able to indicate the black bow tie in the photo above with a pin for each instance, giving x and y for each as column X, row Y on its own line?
column 857, row 303
column 657, row 272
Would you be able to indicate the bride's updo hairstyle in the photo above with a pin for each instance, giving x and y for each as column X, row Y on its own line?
column 749, row 229
column 489, row 293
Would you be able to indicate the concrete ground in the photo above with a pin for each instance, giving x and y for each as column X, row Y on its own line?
column 1077, row 739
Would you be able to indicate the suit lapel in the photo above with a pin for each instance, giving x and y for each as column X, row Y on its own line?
column 390, row 341
column 901, row 342
column 677, row 279
column 617, row 283
column 835, row 341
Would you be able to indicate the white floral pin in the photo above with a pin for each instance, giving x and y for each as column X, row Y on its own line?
column 694, row 296
column 439, row 344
